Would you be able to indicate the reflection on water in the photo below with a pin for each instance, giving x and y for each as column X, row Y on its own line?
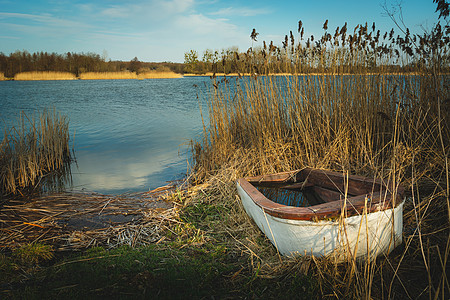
column 130, row 135
column 122, row 170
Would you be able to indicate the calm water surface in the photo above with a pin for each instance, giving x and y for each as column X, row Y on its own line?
column 129, row 135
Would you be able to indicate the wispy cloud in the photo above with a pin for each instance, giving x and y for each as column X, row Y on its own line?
column 117, row 33
column 8, row 37
column 117, row 12
column 201, row 24
column 42, row 19
column 176, row 6
column 242, row 11
column 149, row 10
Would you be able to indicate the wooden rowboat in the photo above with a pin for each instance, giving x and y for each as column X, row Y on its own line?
column 324, row 213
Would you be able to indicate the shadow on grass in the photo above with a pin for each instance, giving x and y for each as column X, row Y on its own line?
column 149, row 272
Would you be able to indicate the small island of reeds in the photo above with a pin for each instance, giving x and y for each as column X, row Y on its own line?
column 34, row 153
column 130, row 75
column 49, row 75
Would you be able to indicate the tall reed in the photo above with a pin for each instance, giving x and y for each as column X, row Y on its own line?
column 374, row 122
column 34, row 150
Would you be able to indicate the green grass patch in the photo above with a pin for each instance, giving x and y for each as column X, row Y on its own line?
column 152, row 272
column 203, row 215
column 34, row 253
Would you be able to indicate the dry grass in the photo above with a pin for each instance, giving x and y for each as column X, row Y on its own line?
column 74, row 221
column 2, row 76
column 333, row 122
column 415, row 268
column 34, row 150
column 158, row 74
column 374, row 124
column 108, row 75
column 44, row 76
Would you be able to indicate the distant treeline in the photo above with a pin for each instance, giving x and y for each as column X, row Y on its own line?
column 76, row 63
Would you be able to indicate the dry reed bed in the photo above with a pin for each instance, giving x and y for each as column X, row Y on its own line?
column 71, row 221
column 401, row 274
column 158, row 75
column 93, row 75
column 128, row 75
column 108, row 75
column 355, row 123
column 50, row 75
column 211, row 74
column 37, row 148
column 394, row 127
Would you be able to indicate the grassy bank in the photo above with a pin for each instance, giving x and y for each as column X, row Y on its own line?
column 196, row 249
column 157, row 272
column 44, row 76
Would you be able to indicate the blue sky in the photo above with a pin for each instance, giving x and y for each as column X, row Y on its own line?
column 163, row 30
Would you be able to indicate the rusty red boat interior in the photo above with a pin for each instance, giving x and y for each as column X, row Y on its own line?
column 315, row 194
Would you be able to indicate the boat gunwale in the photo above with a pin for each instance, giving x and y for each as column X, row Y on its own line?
column 378, row 198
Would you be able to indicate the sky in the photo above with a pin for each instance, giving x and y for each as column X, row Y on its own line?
column 163, row 30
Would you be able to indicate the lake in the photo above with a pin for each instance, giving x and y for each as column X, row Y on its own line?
column 128, row 135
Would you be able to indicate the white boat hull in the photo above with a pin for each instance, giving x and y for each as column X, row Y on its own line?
column 366, row 235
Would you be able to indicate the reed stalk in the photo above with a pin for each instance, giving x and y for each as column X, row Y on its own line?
column 33, row 152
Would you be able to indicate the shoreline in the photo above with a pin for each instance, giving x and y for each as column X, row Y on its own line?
column 53, row 75
column 209, row 74
column 166, row 75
